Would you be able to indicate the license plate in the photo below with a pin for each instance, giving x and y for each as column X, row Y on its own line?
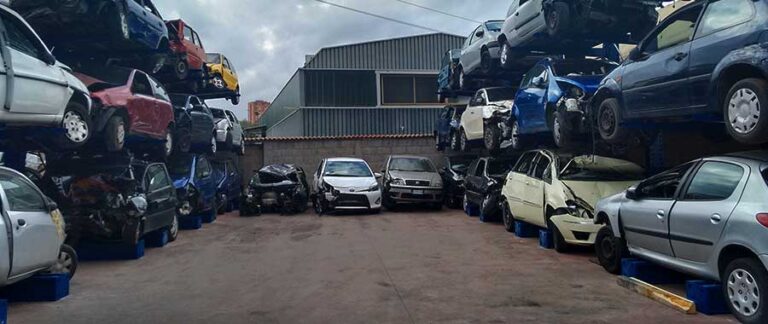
column 418, row 192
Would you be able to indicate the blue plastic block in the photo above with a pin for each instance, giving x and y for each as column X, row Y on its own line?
column 525, row 230
column 157, row 238
column 708, row 296
column 192, row 222
column 209, row 216
column 104, row 251
column 472, row 210
column 545, row 239
column 3, row 311
column 40, row 288
column 649, row 272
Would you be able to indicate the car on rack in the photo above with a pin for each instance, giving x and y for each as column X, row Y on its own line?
column 129, row 105
column 483, row 183
column 487, row 110
column 572, row 26
column 223, row 77
column 700, row 218
column 195, row 129
column 453, row 173
column 446, row 125
column 559, row 192
column 411, row 180
column 34, row 240
column 186, row 66
column 446, row 79
column 229, row 132
column 117, row 28
column 113, row 199
column 480, row 54
column 552, row 100
column 703, row 63
column 229, row 184
column 193, row 179
column 278, row 187
column 29, row 70
column 346, row 184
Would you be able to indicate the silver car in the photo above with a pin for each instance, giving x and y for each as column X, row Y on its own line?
column 412, row 179
column 480, row 54
column 705, row 218
column 229, row 132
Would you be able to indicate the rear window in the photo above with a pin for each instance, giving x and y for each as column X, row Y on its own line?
column 213, row 58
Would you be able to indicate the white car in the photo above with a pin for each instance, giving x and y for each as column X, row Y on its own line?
column 37, row 90
column 346, row 184
column 485, row 116
column 229, row 132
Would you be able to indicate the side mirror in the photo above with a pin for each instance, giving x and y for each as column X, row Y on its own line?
column 637, row 54
column 480, row 33
column 539, row 82
column 49, row 59
column 631, row 193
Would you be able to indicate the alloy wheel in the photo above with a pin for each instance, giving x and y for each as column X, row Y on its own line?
column 218, row 82
column 120, row 134
column 504, row 54
column 743, row 292
column 76, row 127
column 744, row 111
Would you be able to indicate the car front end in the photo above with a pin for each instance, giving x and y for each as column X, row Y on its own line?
column 342, row 195
column 410, row 187
column 576, row 95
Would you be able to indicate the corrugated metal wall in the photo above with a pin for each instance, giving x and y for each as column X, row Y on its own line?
column 422, row 52
column 356, row 121
column 285, row 103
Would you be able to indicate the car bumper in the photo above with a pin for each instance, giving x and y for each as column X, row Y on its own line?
column 577, row 230
column 221, row 136
column 354, row 201
column 415, row 194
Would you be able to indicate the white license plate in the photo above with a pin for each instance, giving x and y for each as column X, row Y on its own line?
column 418, row 192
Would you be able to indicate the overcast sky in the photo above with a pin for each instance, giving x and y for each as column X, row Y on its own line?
column 266, row 40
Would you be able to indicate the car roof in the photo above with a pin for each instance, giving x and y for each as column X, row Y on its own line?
column 344, row 159
column 408, row 157
column 758, row 155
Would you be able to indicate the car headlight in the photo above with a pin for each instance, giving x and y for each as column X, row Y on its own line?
column 373, row 188
column 579, row 211
column 437, row 184
column 397, row 182
column 576, row 92
column 327, row 187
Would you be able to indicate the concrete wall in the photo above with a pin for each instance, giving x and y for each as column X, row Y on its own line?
column 252, row 160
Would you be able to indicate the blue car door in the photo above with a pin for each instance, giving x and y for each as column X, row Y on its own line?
column 136, row 23
column 205, row 182
column 655, row 79
column 724, row 26
column 156, row 28
column 530, row 101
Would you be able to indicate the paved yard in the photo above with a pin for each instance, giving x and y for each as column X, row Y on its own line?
column 408, row 267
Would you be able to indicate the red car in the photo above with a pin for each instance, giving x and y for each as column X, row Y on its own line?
column 130, row 105
column 186, row 61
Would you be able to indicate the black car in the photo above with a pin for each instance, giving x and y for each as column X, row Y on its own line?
column 194, row 124
column 453, row 174
column 112, row 199
column 483, row 183
column 281, row 187
column 229, row 184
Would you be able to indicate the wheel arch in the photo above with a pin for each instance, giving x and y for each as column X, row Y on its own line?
column 727, row 77
column 732, row 252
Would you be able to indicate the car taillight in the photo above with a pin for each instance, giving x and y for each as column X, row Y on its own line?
column 762, row 218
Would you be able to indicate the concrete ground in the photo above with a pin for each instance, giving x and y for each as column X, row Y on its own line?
column 407, row 267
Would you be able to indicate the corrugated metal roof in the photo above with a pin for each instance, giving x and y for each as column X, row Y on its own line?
column 321, row 138
column 422, row 52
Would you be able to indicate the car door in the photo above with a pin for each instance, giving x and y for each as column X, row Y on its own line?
column 204, row 180
column 470, row 55
column 698, row 218
column 196, row 54
column 540, row 178
column 644, row 219
column 141, row 106
column 202, row 120
column 530, row 101
column 473, row 180
column 723, row 27
column 230, row 75
column 161, row 198
column 528, row 17
column 154, row 26
column 35, row 237
column 655, row 81
column 515, row 188
column 237, row 129
column 38, row 85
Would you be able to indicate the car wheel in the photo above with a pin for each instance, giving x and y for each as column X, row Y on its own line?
column 558, row 241
column 318, row 206
column 235, row 99
column 213, row 146
column 77, row 126
column 222, row 205
column 486, row 63
column 560, row 131
column 114, row 134
column 492, row 137
column 66, row 263
column 181, row 69
column 183, row 141
column 609, row 250
column 455, row 142
column 486, row 210
column 608, row 122
column 173, row 230
column 463, row 82
column 558, row 19
column 507, row 217
column 168, row 144
column 463, row 143
column 516, row 138
column 506, row 56
column 746, row 122
column 218, row 82
column 744, row 286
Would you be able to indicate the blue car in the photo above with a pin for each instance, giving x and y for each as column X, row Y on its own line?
column 193, row 178
column 229, row 185
column 707, row 62
column 552, row 100
column 446, row 80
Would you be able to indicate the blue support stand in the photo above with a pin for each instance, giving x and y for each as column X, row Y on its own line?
column 708, row 297
column 192, row 222
column 104, row 251
column 40, row 288
column 525, row 230
column 157, row 239
column 209, row 216
column 3, row 311
column 545, row 239
column 472, row 210
column 649, row 272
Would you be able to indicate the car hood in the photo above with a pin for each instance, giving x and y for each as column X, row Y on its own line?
column 432, row 177
column 350, row 182
column 592, row 191
column 590, row 83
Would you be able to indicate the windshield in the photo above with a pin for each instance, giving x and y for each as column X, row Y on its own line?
column 501, row 94
column 494, row 26
column 180, row 165
column 582, row 67
column 497, row 167
column 602, row 171
column 213, row 58
column 354, row 169
column 411, row 165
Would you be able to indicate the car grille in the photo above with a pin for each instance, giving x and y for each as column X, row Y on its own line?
column 417, row 183
column 418, row 197
column 347, row 200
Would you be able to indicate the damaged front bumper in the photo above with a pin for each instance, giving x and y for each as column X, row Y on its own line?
column 577, row 230
column 415, row 194
column 353, row 200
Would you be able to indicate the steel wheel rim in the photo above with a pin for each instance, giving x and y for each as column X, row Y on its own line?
column 743, row 292
column 168, row 144
column 181, row 67
column 606, row 248
column 607, row 120
column 515, row 135
column 557, row 131
column 504, row 54
column 121, row 133
column 744, row 111
column 76, row 127
column 218, row 82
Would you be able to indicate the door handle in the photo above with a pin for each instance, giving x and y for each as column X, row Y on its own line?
column 21, row 222
column 680, row 56
column 715, row 218
column 661, row 214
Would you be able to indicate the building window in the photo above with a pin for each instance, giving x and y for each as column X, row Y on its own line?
column 406, row 89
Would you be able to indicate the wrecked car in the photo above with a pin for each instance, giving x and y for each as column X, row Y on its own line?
column 192, row 176
column 453, row 173
column 113, row 199
column 480, row 53
column 194, row 124
column 228, row 185
column 411, row 180
column 483, row 185
column 185, row 67
column 280, row 187
column 446, row 126
column 481, row 120
column 559, row 193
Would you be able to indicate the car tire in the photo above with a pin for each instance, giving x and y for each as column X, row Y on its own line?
column 119, row 24
column 609, row 123
column 222, row 205
column 507, row 218
column 181, row 69
column 558, row 19
column 517, row 139
column 486, row 62
column 746, row 279
column 66, row 263
column 235, row 100
column 745, row 119
column 167, row 147
column 77, row 127
column 486, row 210
column 562, row 133
column 492, row 137
column 506, row 56
column 455, row 142
column 463, row 142
column 213, row 146
column 610, row 250
column 115, row 133
column 558, row 242
column 319, row 206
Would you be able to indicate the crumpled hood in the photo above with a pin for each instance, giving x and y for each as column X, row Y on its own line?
column 420, row 176
column 350, row 182
column 592, row 191
column 590, row 83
